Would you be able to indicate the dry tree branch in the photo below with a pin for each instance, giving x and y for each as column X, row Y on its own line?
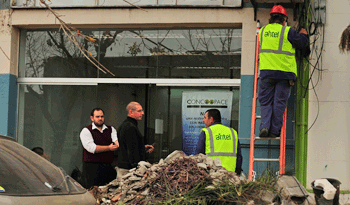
column 135, row 5
column 71, row 34
column 6, row 55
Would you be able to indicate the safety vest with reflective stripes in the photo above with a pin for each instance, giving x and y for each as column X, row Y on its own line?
column 276, row 52
column 221, row 142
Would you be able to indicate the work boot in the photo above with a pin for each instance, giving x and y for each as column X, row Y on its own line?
column 263, row 132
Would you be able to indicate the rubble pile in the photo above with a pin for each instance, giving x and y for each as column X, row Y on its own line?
column 182, row 179
column 178, row 173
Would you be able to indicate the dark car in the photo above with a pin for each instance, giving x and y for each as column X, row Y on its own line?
column 28, row 178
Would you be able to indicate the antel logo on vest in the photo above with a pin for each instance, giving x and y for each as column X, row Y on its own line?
column 223, row 137
column 206, row 102
column 271, row 34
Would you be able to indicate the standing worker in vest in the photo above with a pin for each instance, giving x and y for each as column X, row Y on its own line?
column 278, row 68
column 220, row 141
column 99, row 142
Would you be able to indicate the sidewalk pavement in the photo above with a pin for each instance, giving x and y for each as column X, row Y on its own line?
column 344, row 199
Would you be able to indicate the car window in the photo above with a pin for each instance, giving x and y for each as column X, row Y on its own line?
column 23, row 172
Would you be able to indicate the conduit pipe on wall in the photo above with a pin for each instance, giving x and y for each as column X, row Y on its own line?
column 302, row 107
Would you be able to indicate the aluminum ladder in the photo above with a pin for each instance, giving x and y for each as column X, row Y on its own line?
column 254, row 138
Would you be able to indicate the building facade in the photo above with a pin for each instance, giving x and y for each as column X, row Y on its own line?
column 154, row 53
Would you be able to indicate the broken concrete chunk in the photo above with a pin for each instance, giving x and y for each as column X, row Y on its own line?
column 174, row 155
column 139, row 185
column 291, row 191
column 132, row 192
column 202, row 165
column 135, row 178
column 161, row 162
column 210, row 187
column 215, row 175
column 146, row 164
column 127, row 175
column 328, row 188
column 145, row 193
column 217, row 162
column 209, row 161
column 267, row 196
column 251, row 202
column 154, row 168
column 141, row 171
column 153, row 175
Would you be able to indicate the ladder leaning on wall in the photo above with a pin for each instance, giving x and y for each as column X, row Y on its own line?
column 253, row 138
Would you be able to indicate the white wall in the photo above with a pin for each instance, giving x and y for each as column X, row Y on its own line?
column 329, row 145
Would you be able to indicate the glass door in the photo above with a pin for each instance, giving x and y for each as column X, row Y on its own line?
column 164, row 127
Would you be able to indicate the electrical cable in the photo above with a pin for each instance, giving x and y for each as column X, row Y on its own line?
column 317, row 31
column 318, row 110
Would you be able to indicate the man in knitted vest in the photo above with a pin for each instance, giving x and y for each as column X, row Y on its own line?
column 99, row 142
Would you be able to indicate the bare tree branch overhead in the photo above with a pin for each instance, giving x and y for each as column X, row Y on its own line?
column 72, row 34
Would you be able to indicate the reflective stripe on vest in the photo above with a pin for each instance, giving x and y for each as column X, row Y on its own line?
column 279, row 51
column 213, row 153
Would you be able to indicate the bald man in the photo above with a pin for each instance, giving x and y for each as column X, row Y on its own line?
column 132, row 148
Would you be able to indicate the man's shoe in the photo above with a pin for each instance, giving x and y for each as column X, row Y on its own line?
column 264, row 132
column 271, row 135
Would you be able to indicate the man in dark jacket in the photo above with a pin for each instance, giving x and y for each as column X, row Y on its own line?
column 132, row 149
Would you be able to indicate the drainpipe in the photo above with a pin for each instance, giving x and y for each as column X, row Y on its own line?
column 302, row 107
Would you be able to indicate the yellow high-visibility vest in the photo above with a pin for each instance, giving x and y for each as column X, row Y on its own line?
column 221, row 142
column 276, row 52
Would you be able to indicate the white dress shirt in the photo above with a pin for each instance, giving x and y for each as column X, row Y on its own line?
column 88, row 141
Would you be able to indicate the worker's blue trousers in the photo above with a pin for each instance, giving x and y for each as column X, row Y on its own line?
column 273, row 98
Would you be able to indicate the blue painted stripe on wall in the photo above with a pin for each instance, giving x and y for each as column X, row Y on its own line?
column 8, row 104
column 245, row 114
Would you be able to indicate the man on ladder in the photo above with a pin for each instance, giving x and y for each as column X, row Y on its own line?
column 278, row 69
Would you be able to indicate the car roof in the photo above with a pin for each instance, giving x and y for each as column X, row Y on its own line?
column 7, row 138
column 25, row 173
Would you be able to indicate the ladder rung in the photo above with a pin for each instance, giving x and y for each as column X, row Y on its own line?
column 258, row 117
column 266, row 160
column 267, row 138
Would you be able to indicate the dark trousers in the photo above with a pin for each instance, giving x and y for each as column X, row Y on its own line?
column 98, row 174
column 273, row 98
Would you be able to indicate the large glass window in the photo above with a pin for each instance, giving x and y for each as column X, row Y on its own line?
column 51, row 116
column 51, row 54
column 190, row 53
